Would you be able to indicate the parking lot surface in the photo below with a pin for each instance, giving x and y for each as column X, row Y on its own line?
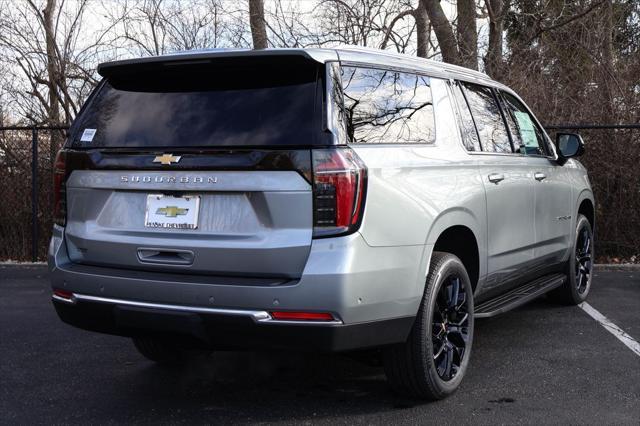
column 542, row 363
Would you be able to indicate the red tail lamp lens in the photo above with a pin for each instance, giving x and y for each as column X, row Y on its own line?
column 63, row 293
column 302, row 316
column 338, row 190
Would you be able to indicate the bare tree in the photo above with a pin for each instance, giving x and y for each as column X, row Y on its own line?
column 48, row 69
column 467, row 34
column 290, row 26
column 52, row 64
column 493, row 60
column 258, row 24
column 423, row 30
column 372, row 23
column 156, row 27
column 444, row 31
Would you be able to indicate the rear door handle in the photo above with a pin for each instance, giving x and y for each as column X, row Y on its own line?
column 496, row 177
column 539, row 176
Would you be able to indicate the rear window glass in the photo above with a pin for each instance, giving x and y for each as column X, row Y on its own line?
column 383, row 106
column 200, row 107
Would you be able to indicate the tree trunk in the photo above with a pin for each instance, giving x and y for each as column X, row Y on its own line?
column 607, row 58
column 55, row 77
column 52, row 74
column 443, row 30
column 493, row 58
column 422, row 27
column 467, row 34
column 257, row 24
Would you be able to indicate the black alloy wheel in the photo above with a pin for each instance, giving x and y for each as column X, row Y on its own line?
column 450, row 328
column 579, row 267
column 583, row 260
column 433, row 360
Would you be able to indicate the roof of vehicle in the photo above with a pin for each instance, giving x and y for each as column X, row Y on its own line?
column 345, row 54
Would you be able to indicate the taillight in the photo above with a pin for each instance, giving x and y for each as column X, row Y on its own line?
column 59, row 189
column 302, row 316
column 63, row 293
column 339, row 185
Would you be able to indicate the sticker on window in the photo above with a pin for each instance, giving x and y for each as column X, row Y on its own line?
column 527, row 129
column 87, row 135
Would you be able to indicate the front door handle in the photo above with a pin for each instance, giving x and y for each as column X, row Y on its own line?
column 496, row 177
column 539, row 176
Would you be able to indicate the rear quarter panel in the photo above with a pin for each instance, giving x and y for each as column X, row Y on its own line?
column 416, row 191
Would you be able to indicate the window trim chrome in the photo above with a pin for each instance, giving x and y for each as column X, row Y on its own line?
column 331, row 116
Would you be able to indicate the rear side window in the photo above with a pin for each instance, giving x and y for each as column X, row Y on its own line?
column 488, row 118
column 527, row 136
column 468, row 128
column 202, row 106
column 383, row 106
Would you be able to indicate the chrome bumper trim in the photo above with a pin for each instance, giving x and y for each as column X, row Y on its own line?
column 71, row 301
column 257, row 316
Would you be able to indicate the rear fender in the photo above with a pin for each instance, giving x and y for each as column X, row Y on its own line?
column 447, row 219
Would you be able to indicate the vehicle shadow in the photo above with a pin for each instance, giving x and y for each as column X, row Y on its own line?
column 255, row 386
column 297, row 387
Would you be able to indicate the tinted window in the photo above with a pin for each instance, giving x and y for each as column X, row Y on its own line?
column 387, row 106
column 202, row 107
column 488, row 119
column 527, row 136
column 468, row 128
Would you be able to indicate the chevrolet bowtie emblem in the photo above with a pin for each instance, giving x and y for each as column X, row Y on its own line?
column 172, row 211
column 167, row 159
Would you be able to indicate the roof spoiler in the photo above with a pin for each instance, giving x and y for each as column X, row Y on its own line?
column 212, row 57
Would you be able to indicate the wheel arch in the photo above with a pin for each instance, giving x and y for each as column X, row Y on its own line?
column 586, row 207
column 458, row 232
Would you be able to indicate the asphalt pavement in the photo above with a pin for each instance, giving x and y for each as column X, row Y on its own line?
column 540, row 364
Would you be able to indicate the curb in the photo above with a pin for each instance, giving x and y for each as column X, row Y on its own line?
column 22, row 264
column 617, row 267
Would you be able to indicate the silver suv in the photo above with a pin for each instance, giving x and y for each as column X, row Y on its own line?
column 318, row 199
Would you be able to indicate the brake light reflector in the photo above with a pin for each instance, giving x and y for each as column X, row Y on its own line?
column 302, row 316
column 339, row 184
column 63, row 293
column 59, row 189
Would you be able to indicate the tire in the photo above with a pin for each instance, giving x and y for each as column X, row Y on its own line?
column 579, row 267
column 418, row 367
column 158, row 350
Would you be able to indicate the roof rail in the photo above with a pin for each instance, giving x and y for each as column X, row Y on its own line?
column 445, row 65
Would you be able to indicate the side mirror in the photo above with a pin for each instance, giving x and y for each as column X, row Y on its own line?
column 569, row 145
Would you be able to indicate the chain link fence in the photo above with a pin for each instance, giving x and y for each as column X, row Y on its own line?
column 612, row 157
column 27, row 156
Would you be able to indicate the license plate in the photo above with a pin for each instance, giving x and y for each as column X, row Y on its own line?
column 167, row 211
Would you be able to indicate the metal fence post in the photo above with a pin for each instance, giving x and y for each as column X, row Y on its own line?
column 34, row 194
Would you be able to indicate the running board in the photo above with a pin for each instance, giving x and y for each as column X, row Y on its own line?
column 518, row 296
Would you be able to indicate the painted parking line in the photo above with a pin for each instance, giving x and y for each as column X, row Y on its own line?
column 620, row 334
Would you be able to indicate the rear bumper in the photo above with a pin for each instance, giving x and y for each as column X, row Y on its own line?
column 373, row 293
column 224, row 331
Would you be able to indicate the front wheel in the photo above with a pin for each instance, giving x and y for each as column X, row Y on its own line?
column 579, row 268
column 434, row 359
